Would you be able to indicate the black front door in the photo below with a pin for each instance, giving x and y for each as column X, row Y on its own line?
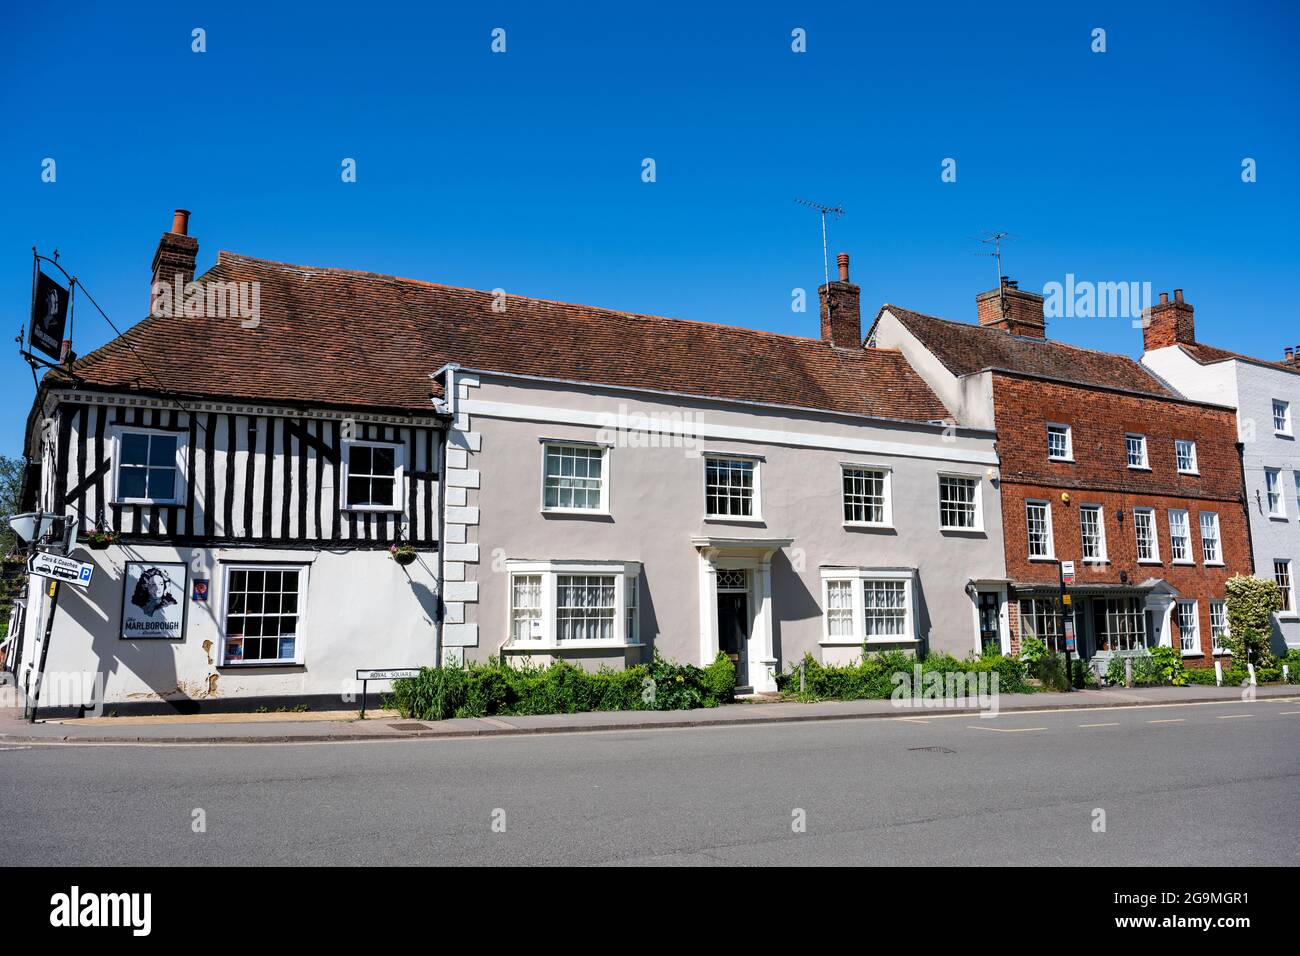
column 733, row 631
column 990, row 620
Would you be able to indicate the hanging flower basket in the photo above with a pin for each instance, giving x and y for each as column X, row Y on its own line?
column 403, row 554
column 99, row 540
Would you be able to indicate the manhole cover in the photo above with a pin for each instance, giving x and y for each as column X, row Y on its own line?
column 932, row 750
column 411, row 726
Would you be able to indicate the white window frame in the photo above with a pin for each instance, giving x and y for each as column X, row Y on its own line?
column 978, row 501
column 1217, row 560
column 1155, row 536
column 756, row 516
column 300, row 643
column 887, row 489
column 1216, row 644
column 1194, row 467
column 857, row 579
column 1290, row 611
column 1181, row 607
column 1186, row 521
column 545, row 639
column 1104, row 556
column 1273, row 496
column 399, row 475
column 1295, row 480
column 1069, row 441
column 1145, row 461
column 546, row 445
column 1286, row 417
column 1051, row 537
column 178, row 484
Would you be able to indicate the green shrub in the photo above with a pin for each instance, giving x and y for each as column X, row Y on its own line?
column 1251, row 603
column 871, row 678
column 1032, row 650
column 719, row 679
column 1145, row 671
column 1292, row 660
column 1167, row 663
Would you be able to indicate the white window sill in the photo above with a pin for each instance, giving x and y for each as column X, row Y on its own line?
column 979, row 530
column 841, row 642
column 372, row 509
column 148, row 503
column 1045, row 558
column 1224, row 652
column 1214, row 564
column 739, row 519
column 869, row 525
column 1094, row 562
column 591, row 512
column 1183, row 562
column 1064, row 461
column 890, row 640
column 1139, row 467
column 1288, row 616
column 1283, row 434
column 251, row 664
column 1149, row 561
column 1193, row 653
column 1194, row 474
column 550, row 647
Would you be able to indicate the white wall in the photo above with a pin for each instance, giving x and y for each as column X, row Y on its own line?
column 362, row 610
column 1251, row 388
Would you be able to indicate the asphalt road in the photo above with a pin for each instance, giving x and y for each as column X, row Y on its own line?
column 1199, row 784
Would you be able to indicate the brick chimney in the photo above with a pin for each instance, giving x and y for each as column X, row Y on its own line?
column 177, row 252
column 1012, row 309
column 1168, row 323
column 841, row 310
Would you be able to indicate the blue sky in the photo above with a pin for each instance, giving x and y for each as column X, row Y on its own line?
column 523, row 170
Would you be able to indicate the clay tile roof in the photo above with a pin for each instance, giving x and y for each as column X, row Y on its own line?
column 964, row 348
column 343, row 338
column 1209, row 355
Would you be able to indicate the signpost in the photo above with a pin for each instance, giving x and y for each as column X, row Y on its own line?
column 391, row 673
column 60, row 568
column 1067, row 619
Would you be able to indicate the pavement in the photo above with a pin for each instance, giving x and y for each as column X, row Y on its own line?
column 387, row 725
column 1160, row 784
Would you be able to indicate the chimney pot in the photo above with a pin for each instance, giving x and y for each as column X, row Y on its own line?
column 1178, row 295
column 1288, row 355
column 1164, row 298
column 173, row 263
column 841, row 312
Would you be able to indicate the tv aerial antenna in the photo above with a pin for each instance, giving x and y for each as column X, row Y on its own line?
column 836, row 211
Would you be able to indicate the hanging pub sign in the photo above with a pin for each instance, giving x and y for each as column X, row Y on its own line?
column 153, row 601
column 49, row 316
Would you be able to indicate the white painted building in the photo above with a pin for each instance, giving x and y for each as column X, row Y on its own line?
column 1266, row 396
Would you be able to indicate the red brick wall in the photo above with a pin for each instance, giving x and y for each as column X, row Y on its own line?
column 1100, row 476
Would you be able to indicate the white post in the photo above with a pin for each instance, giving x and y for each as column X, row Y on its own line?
column 1218, row 673
column 1251, row 669
column 1286, row 673
column 1128, row 672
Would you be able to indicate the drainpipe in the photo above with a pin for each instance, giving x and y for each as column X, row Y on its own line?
column 1245, row 504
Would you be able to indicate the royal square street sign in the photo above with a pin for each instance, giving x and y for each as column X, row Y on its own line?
column 1067, row 572
column 60, row 568
column 391, row 673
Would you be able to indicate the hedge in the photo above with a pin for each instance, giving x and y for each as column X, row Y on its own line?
column 871, row 678
column 481, row 690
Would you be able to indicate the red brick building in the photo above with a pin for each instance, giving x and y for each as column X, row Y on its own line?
column 1103, row 464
